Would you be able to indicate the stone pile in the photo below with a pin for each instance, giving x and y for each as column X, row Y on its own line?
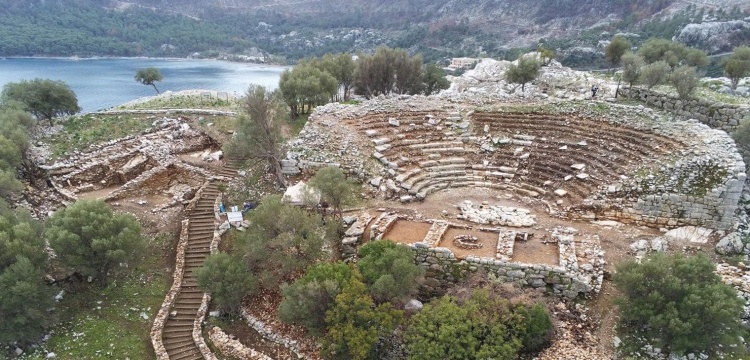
column 382, row 224
column 467, row 242
column 739, row 278
column 496, row 215
column 486, row 83
column 353, row 236
column 505, row 242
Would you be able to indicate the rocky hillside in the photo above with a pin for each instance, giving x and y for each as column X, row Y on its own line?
column 301, row 28
column 513, row 23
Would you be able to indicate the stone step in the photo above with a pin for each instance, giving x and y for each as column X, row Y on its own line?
column 187, row 354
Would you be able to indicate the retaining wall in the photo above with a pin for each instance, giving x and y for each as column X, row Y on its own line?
column 714, row 114
column 444, row 270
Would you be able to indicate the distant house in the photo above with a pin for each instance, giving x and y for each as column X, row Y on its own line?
column 462, row 62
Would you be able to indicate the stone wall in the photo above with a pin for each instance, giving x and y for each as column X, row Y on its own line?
column 233, row 348
column 714, row 114
column 698, row 188
column 443, row 270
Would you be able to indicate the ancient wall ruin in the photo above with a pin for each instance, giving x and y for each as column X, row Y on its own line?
column 444, row 270
column 714, row 114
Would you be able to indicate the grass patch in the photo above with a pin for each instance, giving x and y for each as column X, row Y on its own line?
column 111, row 323
column 295, row 125
column 183, row 102
column 79, row 132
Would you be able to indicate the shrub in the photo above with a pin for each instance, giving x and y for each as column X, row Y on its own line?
column 389, row 270
column 306, row 300
column 228, row 280
column 355, row 324
column 483, row 326
column 678, row 304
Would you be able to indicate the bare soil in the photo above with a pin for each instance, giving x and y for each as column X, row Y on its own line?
column 534, row 251
column 408, row 232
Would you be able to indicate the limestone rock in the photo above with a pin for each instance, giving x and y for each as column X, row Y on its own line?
column 730, row 244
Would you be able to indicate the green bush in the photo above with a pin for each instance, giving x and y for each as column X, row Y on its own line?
column 539, row 328
column 355, row 323
column 389, row 270
column 227, row 279
column 484, row 326
column 306, row 300
column 678, row 304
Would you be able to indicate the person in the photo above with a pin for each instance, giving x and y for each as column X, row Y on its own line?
column 247, row 206
column 594, row 89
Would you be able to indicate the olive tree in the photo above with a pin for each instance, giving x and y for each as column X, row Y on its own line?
column 258, row 133
column 282, row 240
column 685, row 80
column 632, row 66
column 481, row 326
column 525, row 71
column 355, row 324
column 654, row 74
column 92, row 240
column 616, row 49
column 737, row 65
column 149, row 76
column 307, row 300
column 24, row 301
column 24, row 298
column 45, row 99
column 335, row 188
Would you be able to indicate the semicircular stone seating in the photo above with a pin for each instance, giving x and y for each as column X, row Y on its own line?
column 541, row 155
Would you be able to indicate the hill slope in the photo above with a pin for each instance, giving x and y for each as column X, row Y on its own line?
column 299, row 28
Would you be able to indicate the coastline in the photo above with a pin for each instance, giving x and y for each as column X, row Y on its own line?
column 104, row 57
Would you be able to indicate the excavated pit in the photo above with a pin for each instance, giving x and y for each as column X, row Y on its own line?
column 159, row 168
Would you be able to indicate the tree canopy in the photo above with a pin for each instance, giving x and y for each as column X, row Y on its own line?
column 307, row 300
column 655, row 73
column 43, row 98
column 24, row 301
column 737, row 65
column 632, row 67
column 14, row 141
column 525, row 71
column 258, row 133
column 282, row 240
column 616, row 49
column 25, row 298
column 228, row 279
column 89, row 238
column 388, row 71
column 389, row 270
column 149, row 76
column 355, row 324
column 335, row 188
column 678, row 304
column 685, row 80
column 482, row 326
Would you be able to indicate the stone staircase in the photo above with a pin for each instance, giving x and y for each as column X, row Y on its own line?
column 178, row 329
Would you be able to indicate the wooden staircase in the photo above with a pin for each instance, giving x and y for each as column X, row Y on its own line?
column 178, row 330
